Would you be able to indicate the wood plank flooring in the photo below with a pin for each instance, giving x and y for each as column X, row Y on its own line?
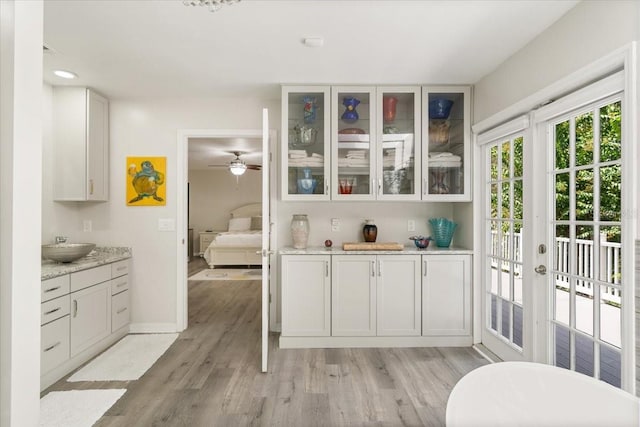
column 211, row 375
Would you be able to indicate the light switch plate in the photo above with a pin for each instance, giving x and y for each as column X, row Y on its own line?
column 87, row 225
column 335, row 224
column 166, row 224
column 411, row 225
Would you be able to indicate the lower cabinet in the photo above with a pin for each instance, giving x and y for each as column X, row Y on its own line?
column 90, row 316
column 369, row 300
column 306, row 293
column 375, row 295
column 446, row 295
column 54, row 344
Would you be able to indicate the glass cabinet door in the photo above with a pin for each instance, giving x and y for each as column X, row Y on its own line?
column 305, row 143
column 446, row 144
column 353, row 136
column 398, row 146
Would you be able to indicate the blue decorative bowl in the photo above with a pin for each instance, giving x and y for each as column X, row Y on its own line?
column 440, row 108
column 421, row 242
column 442, row 231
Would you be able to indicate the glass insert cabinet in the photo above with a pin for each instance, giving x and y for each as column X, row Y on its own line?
column 375, row 143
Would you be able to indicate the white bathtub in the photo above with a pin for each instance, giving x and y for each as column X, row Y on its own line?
column 532, row 394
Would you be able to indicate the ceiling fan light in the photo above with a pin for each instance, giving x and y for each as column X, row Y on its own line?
column 237, row 167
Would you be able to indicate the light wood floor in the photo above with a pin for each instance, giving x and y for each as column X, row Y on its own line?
column 211, row 375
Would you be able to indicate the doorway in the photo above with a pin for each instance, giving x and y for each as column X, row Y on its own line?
column 268, row 139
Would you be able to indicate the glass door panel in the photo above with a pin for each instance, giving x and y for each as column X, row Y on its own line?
column 445, row 129
column 398, row 174
column 353, row 131
column 306, row 124
column 586, row 233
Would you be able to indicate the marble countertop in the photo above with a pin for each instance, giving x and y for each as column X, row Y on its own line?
column 99, row 256
column 408, row 250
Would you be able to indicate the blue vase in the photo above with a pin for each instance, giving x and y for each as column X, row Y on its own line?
column 442, row 231
column 350, row 114
column 307, row 185
column 309, row 109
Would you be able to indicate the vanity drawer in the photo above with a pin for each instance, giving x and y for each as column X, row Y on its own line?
column 53, row 288
column 120, row 268
column 93, row 276
column 54, row 344
column 119, row 284
column 54, row 309
column 120, row 310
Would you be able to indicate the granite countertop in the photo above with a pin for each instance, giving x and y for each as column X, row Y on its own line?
column 99, row 256
column 408, row 250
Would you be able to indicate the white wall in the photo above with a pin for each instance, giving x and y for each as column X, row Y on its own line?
column 214, row 193
column 147, row 128
column 20, row 182
column 587, row 32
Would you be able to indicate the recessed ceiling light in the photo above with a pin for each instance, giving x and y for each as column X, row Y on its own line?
column 65, row 74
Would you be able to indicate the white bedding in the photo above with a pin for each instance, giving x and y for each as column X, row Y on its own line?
column 238, row 238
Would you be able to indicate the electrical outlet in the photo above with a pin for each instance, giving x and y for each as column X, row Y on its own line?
column 411, row 225
column 87, row 225
column 335, row 224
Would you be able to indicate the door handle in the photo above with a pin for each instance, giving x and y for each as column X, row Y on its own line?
column 75, row 307
column 541, row 269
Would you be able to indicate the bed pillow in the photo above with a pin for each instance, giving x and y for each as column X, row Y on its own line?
column 239, row 224
column 256, row 223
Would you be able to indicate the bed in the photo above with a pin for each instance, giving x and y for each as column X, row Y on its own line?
column 242, row 242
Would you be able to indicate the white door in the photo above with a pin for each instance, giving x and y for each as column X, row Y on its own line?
column 266, row 237
column 589, row 269
column 353, row 295
column 398, row 295
column 507, row 300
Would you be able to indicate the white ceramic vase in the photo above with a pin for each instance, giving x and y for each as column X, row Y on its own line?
column 300, row 231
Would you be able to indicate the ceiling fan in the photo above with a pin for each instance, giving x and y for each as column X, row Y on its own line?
column 238, row 166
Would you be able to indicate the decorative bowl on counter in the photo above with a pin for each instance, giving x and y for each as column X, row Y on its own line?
column 66, row 252
column 421, row 241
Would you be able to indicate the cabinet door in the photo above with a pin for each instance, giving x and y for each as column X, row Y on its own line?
column 305, row 142
column 398, row 295
column 398, row 147
column 90, row 316
column 446, row 173
column 446, row 295
column 306, row 295
column 120, row 310
column 353, row 137
column 54, row 344
column 353, row 295
column 97, row 147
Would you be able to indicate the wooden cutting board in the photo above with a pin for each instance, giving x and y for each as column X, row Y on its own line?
column 372, row 246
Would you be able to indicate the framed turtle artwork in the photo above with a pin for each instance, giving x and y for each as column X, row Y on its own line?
column 145, row 181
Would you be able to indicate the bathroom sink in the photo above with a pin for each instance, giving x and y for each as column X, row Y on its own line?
column 66, row 252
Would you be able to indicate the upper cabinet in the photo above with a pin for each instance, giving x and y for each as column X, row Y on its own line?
column 446, row 160
column 80, row 144
column 305, row 143
column 376, row 143
column 375, row 138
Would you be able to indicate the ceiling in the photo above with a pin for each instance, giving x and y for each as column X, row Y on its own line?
column 162, row 48
column 218, row 151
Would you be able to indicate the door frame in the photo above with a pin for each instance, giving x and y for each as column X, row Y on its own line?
column 182, row 178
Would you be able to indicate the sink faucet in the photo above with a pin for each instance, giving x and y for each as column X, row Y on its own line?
column 61, row 239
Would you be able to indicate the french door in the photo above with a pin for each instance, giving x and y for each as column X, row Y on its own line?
column 586, row 232
column 507, row 290
column 556, row 259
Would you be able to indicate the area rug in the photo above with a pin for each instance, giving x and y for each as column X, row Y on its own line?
column 76, row 408
column 228, row 274
column 127, row 360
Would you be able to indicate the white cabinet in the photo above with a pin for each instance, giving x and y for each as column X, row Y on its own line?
column 375, row 295
column 353, row 295
column 305, row 142
column 398, row 293
column 90, row 316
column 306, row 293
column 446, row 295
column 80, row 144
column 81, row 314
column 446, row 141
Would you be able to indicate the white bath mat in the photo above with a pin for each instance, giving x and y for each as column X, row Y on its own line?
column 228, row 274
column 76, row 408
column 127, row 360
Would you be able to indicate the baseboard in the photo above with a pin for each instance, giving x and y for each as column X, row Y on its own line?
column 153, row 328
column 486, row 353
column 369, row 342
